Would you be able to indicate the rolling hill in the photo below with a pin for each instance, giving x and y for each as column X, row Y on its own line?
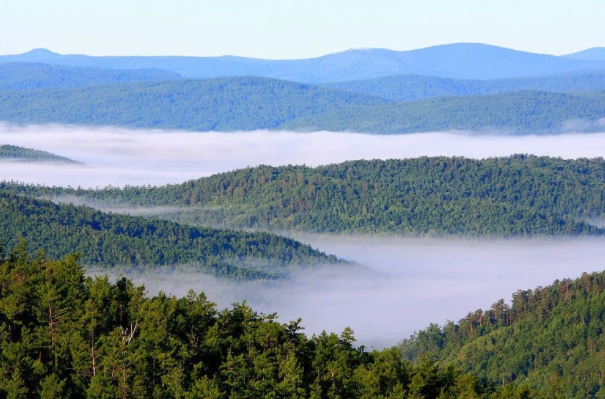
column 460, row 60
column 106, row 240
column 252, row 103
column 417, row 87
column 511, row 196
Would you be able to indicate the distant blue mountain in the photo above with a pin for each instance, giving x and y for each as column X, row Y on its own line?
column 592, row 54
column 461, row 61
column 418, row 87
column 30, row 76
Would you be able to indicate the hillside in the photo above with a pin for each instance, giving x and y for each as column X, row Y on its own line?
column 242, row 103
column 511, row 196
column 549, row 337
column 250, row 103
column 30, row 76
column 107, row 240
column 16, row 153
column 416, row 87
column 460, row 60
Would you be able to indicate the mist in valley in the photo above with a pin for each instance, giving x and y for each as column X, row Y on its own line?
column 410, row 282
column 140, row 157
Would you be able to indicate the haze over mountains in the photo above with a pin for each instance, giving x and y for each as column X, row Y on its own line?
column 461, row 61
column 462, row 86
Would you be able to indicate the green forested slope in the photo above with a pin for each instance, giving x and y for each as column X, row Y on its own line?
column 66, row 336
column 250, row 103
column 111, row 240
column 12, row 152
column 548, row 336
column 511, row 196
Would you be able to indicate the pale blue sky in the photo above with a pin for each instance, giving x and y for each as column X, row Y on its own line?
column 282, row 29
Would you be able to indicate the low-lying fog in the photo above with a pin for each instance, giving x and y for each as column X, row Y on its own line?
column 119, row 156
column 420, row 281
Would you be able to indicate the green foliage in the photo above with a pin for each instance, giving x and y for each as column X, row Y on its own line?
column 549, row 338
column 13, row 152
column 512, row 196
column 63, row 335
column 113, row 240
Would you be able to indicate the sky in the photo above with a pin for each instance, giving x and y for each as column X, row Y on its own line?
column 286, row 29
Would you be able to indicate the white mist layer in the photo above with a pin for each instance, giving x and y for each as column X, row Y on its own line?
column 420, row 281
column 119, row 156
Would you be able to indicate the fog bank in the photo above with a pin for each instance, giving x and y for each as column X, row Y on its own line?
column 119, row 156
column 418, row 282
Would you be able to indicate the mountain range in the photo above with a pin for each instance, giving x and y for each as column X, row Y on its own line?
column 460, row 60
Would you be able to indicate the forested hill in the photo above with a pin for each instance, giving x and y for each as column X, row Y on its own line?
column 549, row 336
column 67, row 336
column 16, row 153
column 111, row 240
column 241, row 103
column 522, row 112
column 511, row 196
column 250, row 103
column 30, row 76
column 417, row 87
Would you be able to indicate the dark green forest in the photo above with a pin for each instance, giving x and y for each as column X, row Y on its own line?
column 106, row 240
column 251, row 103
column 64, row 335
column 13, row 152
column 550, row 336
column 510, row 196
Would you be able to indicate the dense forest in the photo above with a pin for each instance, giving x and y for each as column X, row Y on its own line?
column 64, row 335
column 106, row 240
column 13, row 152
column 548, row 336
column 510, row 196
column 417, row 87
column 251, row 103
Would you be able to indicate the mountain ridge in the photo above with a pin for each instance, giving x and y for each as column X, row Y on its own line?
column 458, row 60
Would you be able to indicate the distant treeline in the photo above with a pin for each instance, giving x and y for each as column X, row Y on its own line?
column 251, row 103
column 106, row 240
column 549, row 337
column 511, row 196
